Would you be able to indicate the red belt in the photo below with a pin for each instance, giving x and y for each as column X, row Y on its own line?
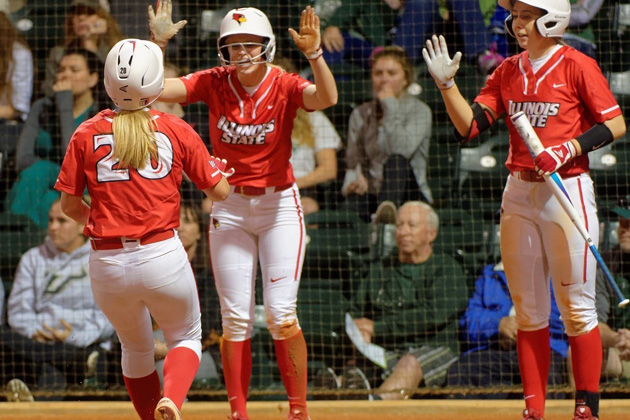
column 532, row 176
column 254, row 191
column 101, row 244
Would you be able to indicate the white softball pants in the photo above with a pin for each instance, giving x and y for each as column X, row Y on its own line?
column 538, row 241
column 244, row 229
column 139, row 281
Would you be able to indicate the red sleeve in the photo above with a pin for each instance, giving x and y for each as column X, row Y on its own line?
column 71, row 178
column 490, row 94
column 196, row 158
column 297, row 85
column 198, row 85
column 594, row 91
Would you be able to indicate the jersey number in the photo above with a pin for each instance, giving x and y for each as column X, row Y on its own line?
column 107, row 167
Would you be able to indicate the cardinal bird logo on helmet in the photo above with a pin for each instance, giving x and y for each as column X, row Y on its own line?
column 239, row 17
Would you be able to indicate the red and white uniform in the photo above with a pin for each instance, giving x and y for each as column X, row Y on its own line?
column 129, row 207
column 565, row 97
column 263, row 217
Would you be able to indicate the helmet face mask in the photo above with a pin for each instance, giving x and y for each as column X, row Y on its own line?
column 551, row 24
column 134, row 74
column 248, row 47
column 246, row 21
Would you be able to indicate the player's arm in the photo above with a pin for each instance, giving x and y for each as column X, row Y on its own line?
column 174, row 91
column 323, row 93
column 598, row 136
column 219, row 192
column 74, row 207
column 468, row 120
column 162, row 29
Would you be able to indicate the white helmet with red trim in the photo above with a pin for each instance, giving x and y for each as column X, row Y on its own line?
column 134, row 73
column 248, row 21
column 551, row 24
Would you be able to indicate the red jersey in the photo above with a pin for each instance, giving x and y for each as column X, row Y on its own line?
column 566, row 97
column 130, row 202
column 253, row 133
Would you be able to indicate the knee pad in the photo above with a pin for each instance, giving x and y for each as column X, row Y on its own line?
column 237, row 329
column 138, row 363
column 579, row 321
column 285, row 329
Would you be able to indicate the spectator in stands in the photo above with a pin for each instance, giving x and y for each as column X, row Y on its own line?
column 358, row 26
column 53, row 318
column 314, row 154
column 580, row 33
column 388, row 140
column 16, row 73
column 410, row 304
column 16, row 88
column 614, row 322
column 48, row 129
column 193, row 234
column 88, row 26
column 489, row 330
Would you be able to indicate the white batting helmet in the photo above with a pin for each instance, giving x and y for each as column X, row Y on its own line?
column 250, row 21
column 552, row 23
column 134, row 73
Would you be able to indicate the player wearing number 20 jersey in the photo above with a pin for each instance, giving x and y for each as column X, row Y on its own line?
column 127, row 202
column 131, row 161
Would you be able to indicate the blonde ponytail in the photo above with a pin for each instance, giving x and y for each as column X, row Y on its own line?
column 134, row 138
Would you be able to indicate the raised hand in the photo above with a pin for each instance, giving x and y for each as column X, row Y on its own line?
column 552, row 158
column 161, row 23
column 221, row 165
column 309, row 39
column 440, row 64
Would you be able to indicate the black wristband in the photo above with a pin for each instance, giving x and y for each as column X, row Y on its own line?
column 594, row 138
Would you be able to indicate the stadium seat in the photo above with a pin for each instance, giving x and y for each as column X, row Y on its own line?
column 18, row 233
column 442, row 164
column 610, row 170
column 466, row 237
column 482, row 174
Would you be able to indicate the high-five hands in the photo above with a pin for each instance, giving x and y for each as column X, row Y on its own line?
column 221, row 165
column 553, row 157
column 309, row 39
column 161, row 23
column 440, row 64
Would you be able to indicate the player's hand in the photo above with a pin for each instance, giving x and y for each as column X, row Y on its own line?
column 61, row 85
column 309, row 39
column 366, row 326
column 552, row 158
column 332, row 39
column 507, row 332
column 440, row 64
column 161, row 23
column 359, row 187
column 221, row 165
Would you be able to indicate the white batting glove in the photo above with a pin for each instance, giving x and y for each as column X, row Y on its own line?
column 220, row 165
column 161, row 23
column 440, row 64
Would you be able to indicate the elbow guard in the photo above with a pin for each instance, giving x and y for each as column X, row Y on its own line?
column 482, row 120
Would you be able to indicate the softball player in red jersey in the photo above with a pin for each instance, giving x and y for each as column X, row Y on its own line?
column 252, row 106
column 131, row 160
column 570, row 106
